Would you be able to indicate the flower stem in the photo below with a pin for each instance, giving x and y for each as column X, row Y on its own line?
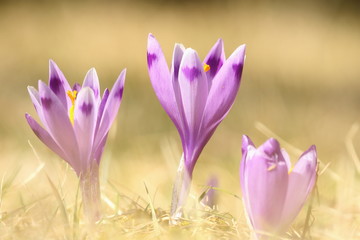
column 90, row 188
column 180, row 191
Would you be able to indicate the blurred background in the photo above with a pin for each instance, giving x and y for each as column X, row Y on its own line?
column 301, row 80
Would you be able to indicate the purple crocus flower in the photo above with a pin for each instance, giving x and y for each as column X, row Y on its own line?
column 273, row 191
column 197, row 96
column 76, row 122
column 210, row 199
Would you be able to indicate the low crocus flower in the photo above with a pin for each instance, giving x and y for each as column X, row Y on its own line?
column 273, row 191
column 76, row 122
column 197, row 96
column 210, row 198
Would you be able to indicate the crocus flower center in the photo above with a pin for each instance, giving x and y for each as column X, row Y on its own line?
column 72, row 96
column 206, row 67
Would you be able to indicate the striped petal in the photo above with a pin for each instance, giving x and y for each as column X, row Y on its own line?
column 45, row 137
column 97, row 153
column 215, row 59
column 224, row 89
column 193, row 87
column 92, row 80
column 85, row 116
column 35, row 98
column 58, row 84
column 179, row 50
column 110, row 109
column 101, row 108
column 161, row 81
column 194, row 92
column 58, row 123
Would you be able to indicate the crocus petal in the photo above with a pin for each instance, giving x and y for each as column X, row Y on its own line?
column 194, row 92
column 58, row 123
column 224, row 89
column 247, row 146
column 246, row 141
column 45, row 137
column 267, row 182
column 301, row 182
column 286, row 158
column 92, row 80
column 35, row 98
column 85, row 116
column 179, row 50
column 178, row 54
column 215, row 59
column 111, row 108
column 101, row 108
column 248, row 151
column 161, row 81
column 77, row 87
column 98, row 150
column 58, row 84
column 97, row 153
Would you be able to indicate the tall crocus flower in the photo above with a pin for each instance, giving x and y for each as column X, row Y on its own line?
column 197, row 95
column 273, row 191
column 76, row 122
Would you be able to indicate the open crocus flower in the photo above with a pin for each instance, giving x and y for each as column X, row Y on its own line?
column 197, row 96
column 273, row 191
column 76, row 122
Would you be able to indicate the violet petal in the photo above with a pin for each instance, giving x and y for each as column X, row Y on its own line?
column 92, row 80
column 215, row 59
column 111, row 108
column 224, row 89
column 45, row 137
column 58, row 123
column 85, row 115
column 58, row 84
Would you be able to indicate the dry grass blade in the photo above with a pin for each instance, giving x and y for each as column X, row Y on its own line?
column 350, row 146
column 6, row 182
column 135, row 203
column 62, row 208
column 153, row 213
column 76, row 218
column 50, row 221
column 307, row 224
column 203, row 194
column 227, row 192
column 268, row 133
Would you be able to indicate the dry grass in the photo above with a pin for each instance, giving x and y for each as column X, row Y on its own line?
column 301, row 80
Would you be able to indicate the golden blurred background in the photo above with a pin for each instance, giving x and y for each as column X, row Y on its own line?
column 301, row 80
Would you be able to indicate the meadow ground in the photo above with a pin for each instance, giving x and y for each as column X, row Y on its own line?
column 300, row 84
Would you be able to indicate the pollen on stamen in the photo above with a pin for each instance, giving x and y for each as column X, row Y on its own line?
column 72, row 96
column 272, row 167
column 206, row 67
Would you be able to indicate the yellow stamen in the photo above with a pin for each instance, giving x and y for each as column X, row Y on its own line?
column 272, row 167
column 206, row 67
column 290, row 170
column 71, row 114
column 72, row 96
